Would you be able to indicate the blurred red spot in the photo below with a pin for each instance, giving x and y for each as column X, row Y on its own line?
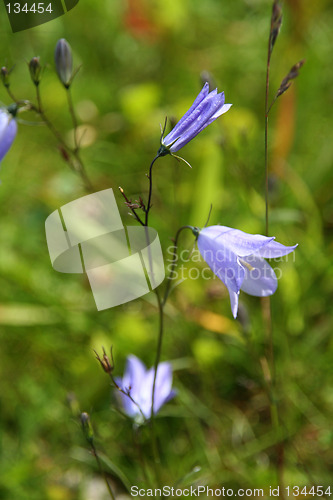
column 137, row 20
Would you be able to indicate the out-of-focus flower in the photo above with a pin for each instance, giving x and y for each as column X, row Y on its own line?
column 35, row 70
column 238, row 259
column 138, row 383
column 8, row 129
column 206, row 108
column 64, row 62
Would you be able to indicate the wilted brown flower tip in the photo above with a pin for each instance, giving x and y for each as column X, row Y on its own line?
column 105, row 362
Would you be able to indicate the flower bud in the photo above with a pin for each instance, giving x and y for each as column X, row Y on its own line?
column 35, row 70
column 87, row 427
column 4, row 73
column 64, row 62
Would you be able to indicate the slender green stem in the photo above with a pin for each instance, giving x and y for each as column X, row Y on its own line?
column 72, row 155
column 161, row 303
column 137, row 444
column 76, row 152
column 48, row 123
column 10, row 93
column 74, row 118
column 157, row 360
column 101, row 470
column 267, row 315
column 131, row 207
column 150, row 177
column 266, row 135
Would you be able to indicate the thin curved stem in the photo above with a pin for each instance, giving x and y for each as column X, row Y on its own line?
column 267, row 315
column 161, row 303
column 157, row 360
column 150, row 177
column 101, row 470
column 266, row 134
column 75, row 164
column 39, row 109
column 10, row 93
column 74, row 118
column 131, row 207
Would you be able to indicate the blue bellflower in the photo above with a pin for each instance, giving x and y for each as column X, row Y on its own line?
column 139, row 382
column 8, row 129
column 206, row 108
column 238, row 259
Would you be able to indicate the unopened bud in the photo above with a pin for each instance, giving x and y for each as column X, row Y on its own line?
column 64, row 62
column 35, row 70
column 87, row 427
column 5, row 76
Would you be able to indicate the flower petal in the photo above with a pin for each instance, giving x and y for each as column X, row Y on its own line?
column 134, row 376
column 260, row 279
column 129, row 407
column 223, row 262
column 234, row 302
column 199, row 119
column 218, row 113
column 8, row 129
column 244, row 244
column 177, row 130
column 274, row 249
column 162, row 387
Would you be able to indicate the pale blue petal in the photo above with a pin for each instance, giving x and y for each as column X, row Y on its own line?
column 243, row 244
column 8, row 130
column 134, row 376
column 140, row 382
column 274, row 249
column 220, row 259
column 260, row 280
column 129, row 407
column 162, row 387
column 234, row 302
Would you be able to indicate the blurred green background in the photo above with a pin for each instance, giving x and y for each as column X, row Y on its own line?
column 142, row 60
